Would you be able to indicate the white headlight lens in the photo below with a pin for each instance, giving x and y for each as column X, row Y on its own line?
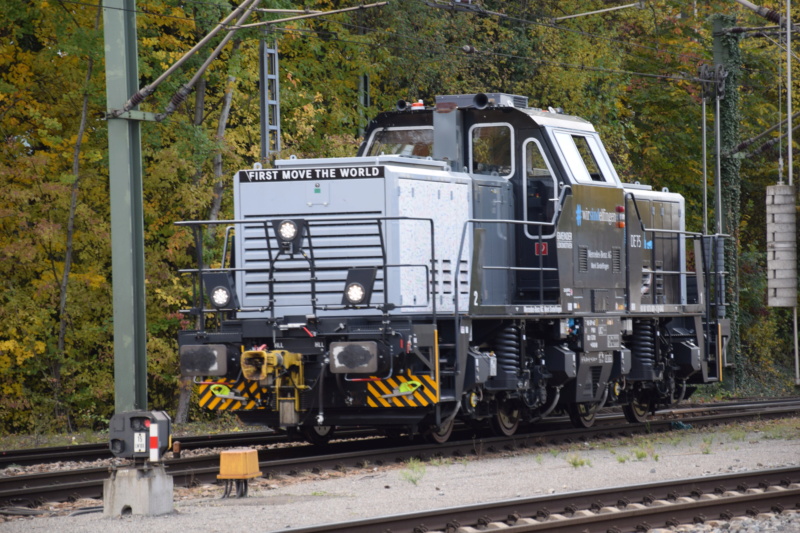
column 288, row 230
column 355, row 293
column 220, row 297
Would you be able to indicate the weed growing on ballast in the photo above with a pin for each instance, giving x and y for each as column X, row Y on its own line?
column 414, row 471
column 576, row 461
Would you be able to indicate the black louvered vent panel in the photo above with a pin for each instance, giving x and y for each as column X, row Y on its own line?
column 596, row 371
column 463, row 277
column 659, row 278
column 616, row 260
column 583, row 259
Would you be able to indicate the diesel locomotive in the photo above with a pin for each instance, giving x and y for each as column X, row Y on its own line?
column 479, row 260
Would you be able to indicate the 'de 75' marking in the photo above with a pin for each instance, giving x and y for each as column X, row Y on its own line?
column 301, row 174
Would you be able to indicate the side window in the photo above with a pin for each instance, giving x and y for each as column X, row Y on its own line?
column 491, row 150
column 588, row 158
column 584, row 158
column 408, row 142
column 540, row 188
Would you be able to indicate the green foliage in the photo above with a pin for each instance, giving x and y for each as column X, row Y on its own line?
column 766, row 346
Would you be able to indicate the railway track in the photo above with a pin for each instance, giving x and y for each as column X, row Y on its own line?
column 33, row 489
column 99, row 451
column 93, row 452
column 620, row 509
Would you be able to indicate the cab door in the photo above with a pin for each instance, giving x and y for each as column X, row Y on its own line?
column 598, row 230
column 539, row 193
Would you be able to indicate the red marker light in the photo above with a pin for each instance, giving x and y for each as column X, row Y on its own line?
column 147, row 422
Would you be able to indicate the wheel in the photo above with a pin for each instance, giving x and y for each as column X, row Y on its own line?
column 636, row 410
column 317, row 435
column 582, row 415
column 506, row 421
column 442, row 434
column 678, row 394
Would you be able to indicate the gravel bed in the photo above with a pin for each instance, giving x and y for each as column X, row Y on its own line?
column 309, row 499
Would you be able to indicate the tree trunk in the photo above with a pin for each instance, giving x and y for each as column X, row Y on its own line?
column 219, row 183
column 184, row 397
column 63, row 316
column 199, row 108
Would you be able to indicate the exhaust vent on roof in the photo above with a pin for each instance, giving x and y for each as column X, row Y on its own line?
column 490, row 100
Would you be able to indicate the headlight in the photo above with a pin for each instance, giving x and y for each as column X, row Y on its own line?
column 287, row 230
column 359, row 285
column 220, row 297
column 219, row 289
column 355, row 293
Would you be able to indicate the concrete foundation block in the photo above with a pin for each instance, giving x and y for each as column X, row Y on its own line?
column 139, row 491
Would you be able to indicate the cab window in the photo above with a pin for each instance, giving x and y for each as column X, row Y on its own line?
column 402, row 141
column 584, row 158
column 540, row 188
column 491, row 150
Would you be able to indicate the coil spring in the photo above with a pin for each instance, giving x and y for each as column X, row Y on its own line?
column 643, row 342
column 507, row 349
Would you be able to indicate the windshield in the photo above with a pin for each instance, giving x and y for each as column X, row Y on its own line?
column 408, row 142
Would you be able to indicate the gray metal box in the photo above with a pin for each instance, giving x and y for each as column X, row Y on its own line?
column 327, row 192
column 485, row 367
column 562, row 362
column 781, row 246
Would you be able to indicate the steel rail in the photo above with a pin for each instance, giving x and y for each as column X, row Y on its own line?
column 630, row 508
column 93, row 452
column 97, row 451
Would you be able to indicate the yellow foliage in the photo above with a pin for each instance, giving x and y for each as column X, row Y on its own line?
column 92, row 280
column 12, row 390
column 17, row 350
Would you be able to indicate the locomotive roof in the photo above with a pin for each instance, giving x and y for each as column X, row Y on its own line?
column 547, row 118
column 423, row 116
column 520, row 103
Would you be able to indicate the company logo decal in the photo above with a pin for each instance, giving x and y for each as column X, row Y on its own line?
column 594, row 215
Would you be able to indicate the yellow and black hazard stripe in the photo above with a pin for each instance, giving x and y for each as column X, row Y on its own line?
column 426, row 394
column 246, row 389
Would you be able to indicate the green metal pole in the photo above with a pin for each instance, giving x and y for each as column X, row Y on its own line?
column 127, row 222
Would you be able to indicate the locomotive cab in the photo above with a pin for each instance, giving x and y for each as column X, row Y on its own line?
column 478, row 260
